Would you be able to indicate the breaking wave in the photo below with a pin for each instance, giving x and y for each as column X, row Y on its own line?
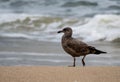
column 40, row 27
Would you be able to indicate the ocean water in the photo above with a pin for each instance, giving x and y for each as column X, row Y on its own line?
column 27, row 26
column 91, row 20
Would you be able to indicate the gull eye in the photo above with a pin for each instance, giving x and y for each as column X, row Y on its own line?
column 64, row 29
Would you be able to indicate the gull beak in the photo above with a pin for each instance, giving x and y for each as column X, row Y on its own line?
column 59, row 31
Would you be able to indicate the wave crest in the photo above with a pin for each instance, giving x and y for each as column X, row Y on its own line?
column 97, row 28
column 100, row 27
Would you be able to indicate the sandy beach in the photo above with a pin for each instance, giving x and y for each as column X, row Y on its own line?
column 24, row 60
column 59, row 74
column 30, row 47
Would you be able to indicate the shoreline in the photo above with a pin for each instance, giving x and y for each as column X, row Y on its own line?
column 23, row 52
column 59, row 74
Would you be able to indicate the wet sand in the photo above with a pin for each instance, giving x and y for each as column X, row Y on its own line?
column 24, row 60
column 23, row 52
column 59, row 74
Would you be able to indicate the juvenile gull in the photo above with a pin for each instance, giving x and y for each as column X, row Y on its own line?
column 76, row 48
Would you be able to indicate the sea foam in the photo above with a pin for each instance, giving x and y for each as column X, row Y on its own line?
column 100, row 27
column 40, row 27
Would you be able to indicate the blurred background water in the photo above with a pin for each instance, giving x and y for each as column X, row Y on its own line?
column 39, row 20
column 34, row 19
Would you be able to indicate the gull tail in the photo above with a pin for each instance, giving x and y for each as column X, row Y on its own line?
column 95, row 51
column 99, row 51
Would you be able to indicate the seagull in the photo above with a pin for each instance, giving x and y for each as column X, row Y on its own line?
column 75, row 47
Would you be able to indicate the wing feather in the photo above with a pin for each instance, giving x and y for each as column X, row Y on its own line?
column 78, row 47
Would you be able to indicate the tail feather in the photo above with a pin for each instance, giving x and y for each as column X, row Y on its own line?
column 95, row 51
column 99, row 51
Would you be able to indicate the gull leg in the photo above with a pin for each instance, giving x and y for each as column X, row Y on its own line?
column 74, row 60
column 83, row 60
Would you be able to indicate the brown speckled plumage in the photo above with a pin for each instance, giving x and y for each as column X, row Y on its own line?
column 76, row 48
